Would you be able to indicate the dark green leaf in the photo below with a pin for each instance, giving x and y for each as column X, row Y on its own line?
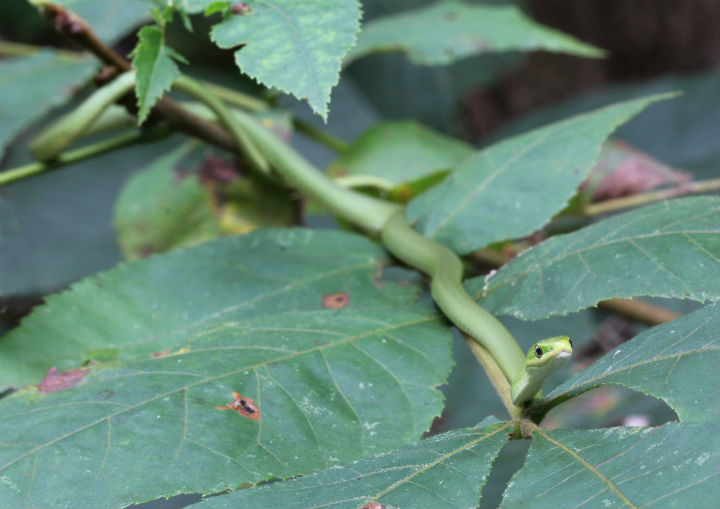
column 296, row 47
column 322, row 346
column 156, row 68
column 668, row 249
column 447, row 470
column 451, row 30
column 31, row 86
column 675, row 465
column 109, row 19
column 677, row 361
column 398, row 152
column 160, row 209
column 514, row 187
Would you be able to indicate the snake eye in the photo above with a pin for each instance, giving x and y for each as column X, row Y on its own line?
column 538, row 351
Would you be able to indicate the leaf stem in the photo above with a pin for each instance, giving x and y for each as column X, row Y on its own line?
column 603, row 207
column 79, row 154
column 19, row 49
column 236, row 98
column 251, row 103
column 320, row 136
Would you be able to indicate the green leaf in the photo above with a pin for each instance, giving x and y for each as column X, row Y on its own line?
column 33, row 85
column 296, row 47
column 164, row 206
column 677, row 361
column 109, row 19
column 307, row 331
column 675, row 465
column 160, row 209
column 514, row 187
column 447, row 470
column 448, row 31
column 398, row 152
column 668, row 249
column 198, row 6
column 156, row 68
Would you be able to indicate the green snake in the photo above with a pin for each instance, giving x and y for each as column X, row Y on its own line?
column 525, row 374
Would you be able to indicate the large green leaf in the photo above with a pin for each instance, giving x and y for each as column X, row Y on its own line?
column 668, row 249
column 399, row 152
column 31, row 86
column 447, row 470
column 160, row 303
column 514, row 187
column 160, row 209
column 341, row 364
column 156, row 68
column 677, row 361
column 296, row 47
column 675, row 465
column 451, row 30
column 109, row 19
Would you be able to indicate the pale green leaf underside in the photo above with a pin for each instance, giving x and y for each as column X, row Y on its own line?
column 31, row 86
column 669, row 249
column 447, row 470
column 677, row 361
column 296, row 47
column 675, row 465
column 156, row 69
column 514, row 187
column 160, row 209
column 399, row 152
column 448, row 31
column 242, row 314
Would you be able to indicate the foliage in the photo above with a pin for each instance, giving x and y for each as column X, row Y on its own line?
column 246, row 349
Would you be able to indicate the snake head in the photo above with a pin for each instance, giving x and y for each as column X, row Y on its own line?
column 549, row 354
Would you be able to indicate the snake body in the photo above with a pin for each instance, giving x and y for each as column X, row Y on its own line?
column 525, row 374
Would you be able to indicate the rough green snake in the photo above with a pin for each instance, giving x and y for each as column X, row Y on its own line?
column 525, row 374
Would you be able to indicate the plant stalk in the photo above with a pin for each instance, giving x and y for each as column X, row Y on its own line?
column 604, row 207
column 79, row 154
column 75, row 28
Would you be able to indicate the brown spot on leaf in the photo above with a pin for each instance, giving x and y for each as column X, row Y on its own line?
column 450, row 16
column 55, row 381
column 165, row 353
column 146, row 251
column 218, row 169
column 378, row 275
column 336, row 300
column 244, row 406
column 373, row 505
column 241, row 8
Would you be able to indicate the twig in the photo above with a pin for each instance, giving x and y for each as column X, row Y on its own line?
column 77, row 29
column 639, row 311
column 603, row 207
column 73, row 156
column 18, row 49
